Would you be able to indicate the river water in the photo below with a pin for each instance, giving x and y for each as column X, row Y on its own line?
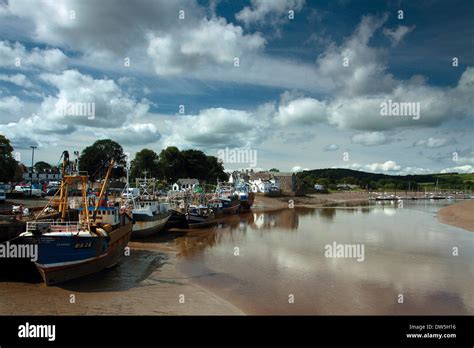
column 276, row 262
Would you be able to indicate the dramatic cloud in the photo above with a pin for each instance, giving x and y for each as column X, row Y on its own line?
column 81, row 102
column 16, row 56
column 219, row 127
column 133, row 134
column 273, row 11
column 17, row 79
column 213, row 41
column 10, row 105
column 302, row 111
column 397, row 35
column 460, row 169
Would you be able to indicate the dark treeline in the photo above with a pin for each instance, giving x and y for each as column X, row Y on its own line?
column 169, row 165
column 331, row 177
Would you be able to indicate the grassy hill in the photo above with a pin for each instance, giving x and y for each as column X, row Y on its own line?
column 330, row 177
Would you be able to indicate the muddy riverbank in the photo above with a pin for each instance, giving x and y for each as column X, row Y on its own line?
column 146, row 283
column 460, row 215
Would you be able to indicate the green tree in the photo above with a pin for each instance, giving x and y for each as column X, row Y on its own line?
column 215, row 170
column 172, row 163
column 8, row 164
column 42, row 166
column 95, row 158
column 195, row 163
column 274, row 170
column 145, row 160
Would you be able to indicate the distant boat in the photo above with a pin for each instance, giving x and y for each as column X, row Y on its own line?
column 225, row 205
column 200, row 216
column 149, row 218
column 246, row 197
column 387, row 198
column 149, row 215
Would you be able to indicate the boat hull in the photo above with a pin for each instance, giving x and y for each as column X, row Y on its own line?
column 177, row 220
column 143, row 228
column 247, row 203
column 200, row 222
column 56, row 273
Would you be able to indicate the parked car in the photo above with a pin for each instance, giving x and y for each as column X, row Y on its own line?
column 52, row 191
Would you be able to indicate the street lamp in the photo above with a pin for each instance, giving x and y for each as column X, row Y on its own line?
column 32, row 161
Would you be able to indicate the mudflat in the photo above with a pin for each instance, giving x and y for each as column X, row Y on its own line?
column 460, row 215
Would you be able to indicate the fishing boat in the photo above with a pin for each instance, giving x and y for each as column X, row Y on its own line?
column 245, row 195
column 69, row 250
column 225, row 205
column 200, row 216
column 177, row 219
column 149, row 215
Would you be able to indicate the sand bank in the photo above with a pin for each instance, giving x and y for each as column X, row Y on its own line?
column 336, row 199
column 460, row 215
column 146, row 284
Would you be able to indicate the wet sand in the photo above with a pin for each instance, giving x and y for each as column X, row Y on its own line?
column 264, row 203
column 147, row 283
column 460, row 215
column 152, row 279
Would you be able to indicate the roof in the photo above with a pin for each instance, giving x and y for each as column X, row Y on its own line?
column 262, row 176
column 281, row 174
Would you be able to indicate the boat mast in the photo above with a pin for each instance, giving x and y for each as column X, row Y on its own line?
column 104, row 184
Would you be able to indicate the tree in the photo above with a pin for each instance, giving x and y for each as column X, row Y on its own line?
column 42, row 166
column 172, row 163
column 215, row 170
column 8, row 164
column 146, row 160
column 195, row 163
column 274, row 170
column 95, row 158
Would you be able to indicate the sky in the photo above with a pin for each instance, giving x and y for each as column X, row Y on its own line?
column 297, row 84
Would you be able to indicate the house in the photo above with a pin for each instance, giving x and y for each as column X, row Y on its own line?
column 273, row 182
column 346, row 187
column 286, row 182
column 260, row 185
column 261, row 182
column 185, row 184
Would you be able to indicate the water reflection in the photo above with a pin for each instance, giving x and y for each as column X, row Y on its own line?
column 281, row 252
column 284, row 219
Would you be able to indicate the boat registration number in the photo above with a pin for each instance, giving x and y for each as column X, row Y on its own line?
column 83, row 245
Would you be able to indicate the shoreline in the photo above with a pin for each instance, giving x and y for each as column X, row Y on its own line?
column 149, row 283
column 338, row 199
column 460, row 215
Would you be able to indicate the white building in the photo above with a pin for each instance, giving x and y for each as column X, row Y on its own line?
column 185, row 184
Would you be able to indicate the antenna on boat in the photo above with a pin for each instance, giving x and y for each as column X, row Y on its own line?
column 102, row 189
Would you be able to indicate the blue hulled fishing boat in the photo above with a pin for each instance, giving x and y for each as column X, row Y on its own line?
column 69, row 250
